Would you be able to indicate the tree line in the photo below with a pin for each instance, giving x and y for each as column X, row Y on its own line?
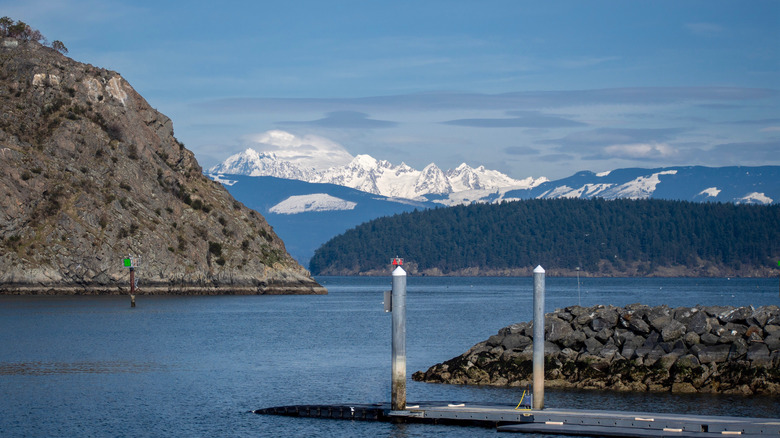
column 23, row 32
column 595, row 235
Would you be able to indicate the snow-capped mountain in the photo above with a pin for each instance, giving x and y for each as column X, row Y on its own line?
column 306, row 215
column 736, row 184
column 252, row 163
column 379, row 177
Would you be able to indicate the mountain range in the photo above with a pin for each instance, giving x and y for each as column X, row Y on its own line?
column 380, row 177
column 307, row 207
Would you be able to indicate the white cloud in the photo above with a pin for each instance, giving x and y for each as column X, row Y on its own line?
column 640, row 150
column 307, row 151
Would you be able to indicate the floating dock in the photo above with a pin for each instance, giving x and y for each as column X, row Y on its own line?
column 546, row 421
column 530, row 417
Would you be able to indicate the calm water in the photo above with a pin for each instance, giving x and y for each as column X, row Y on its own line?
column 196, row 366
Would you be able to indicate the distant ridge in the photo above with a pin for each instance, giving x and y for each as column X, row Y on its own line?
column 622, row 237
column 734, row 184
column 379, row 177
column 296, row 225
column 464, row 184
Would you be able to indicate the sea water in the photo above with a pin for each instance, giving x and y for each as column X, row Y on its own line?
column 197, row 366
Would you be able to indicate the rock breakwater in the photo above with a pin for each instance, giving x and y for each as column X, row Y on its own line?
column 634, row 348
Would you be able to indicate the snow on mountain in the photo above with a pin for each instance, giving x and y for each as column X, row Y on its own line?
column 252, row 163
column 306, row 215
column 313, row 202
column 379, row 177
column 587, row 191
column 641, row 187
column 712, row 192
column 754, row 198
column 222, row 180
column 464, row 178
column 558, row 192
column 737, row 184
column 432, row 180
column 362, row 173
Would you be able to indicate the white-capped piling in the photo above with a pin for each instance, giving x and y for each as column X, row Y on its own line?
column 538, row 357
column 398, row 387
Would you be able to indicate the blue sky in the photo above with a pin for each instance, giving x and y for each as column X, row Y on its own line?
column 526, row 87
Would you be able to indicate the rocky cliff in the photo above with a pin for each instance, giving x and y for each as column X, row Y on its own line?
column 635, row 348
column 90, row 173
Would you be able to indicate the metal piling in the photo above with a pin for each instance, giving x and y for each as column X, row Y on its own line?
column 538, row 356
column 398, row 396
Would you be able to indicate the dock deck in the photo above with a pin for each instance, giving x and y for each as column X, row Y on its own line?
column 549, row 421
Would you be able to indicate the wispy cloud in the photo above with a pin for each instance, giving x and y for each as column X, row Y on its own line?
column 308, row 150
column 746, row 152
column 586, row 61
column 772, row 121
column 640, row 151
column 520, row 150
column 525, row 120
column 556, row 158
column 528, row 100
column 704, row 29
column 344, row 120
column 616, row 136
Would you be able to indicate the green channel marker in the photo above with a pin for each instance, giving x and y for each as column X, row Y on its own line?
column 129, row 263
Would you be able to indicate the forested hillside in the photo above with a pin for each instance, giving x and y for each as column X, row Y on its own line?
column 618, row 237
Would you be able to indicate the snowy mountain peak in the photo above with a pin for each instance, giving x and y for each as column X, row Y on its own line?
column 464, row 178
column 432, row 180
column 368, row 174
column 431, row 168
column 365, row 161
column 252, row 163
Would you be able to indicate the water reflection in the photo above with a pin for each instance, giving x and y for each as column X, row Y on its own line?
column 87, row 367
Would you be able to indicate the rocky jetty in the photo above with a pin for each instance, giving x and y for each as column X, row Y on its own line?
column 91, row 173
column 634, row 348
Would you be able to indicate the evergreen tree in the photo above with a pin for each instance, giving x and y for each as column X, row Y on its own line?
column 596, row 235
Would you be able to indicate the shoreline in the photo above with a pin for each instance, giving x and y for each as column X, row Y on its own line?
column 275, row 288
column 528, row 273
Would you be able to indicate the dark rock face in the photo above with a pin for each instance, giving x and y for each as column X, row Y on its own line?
column 90, row 173
column 635, row 348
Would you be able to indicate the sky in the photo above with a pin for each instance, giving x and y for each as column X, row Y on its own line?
column 529, row 88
